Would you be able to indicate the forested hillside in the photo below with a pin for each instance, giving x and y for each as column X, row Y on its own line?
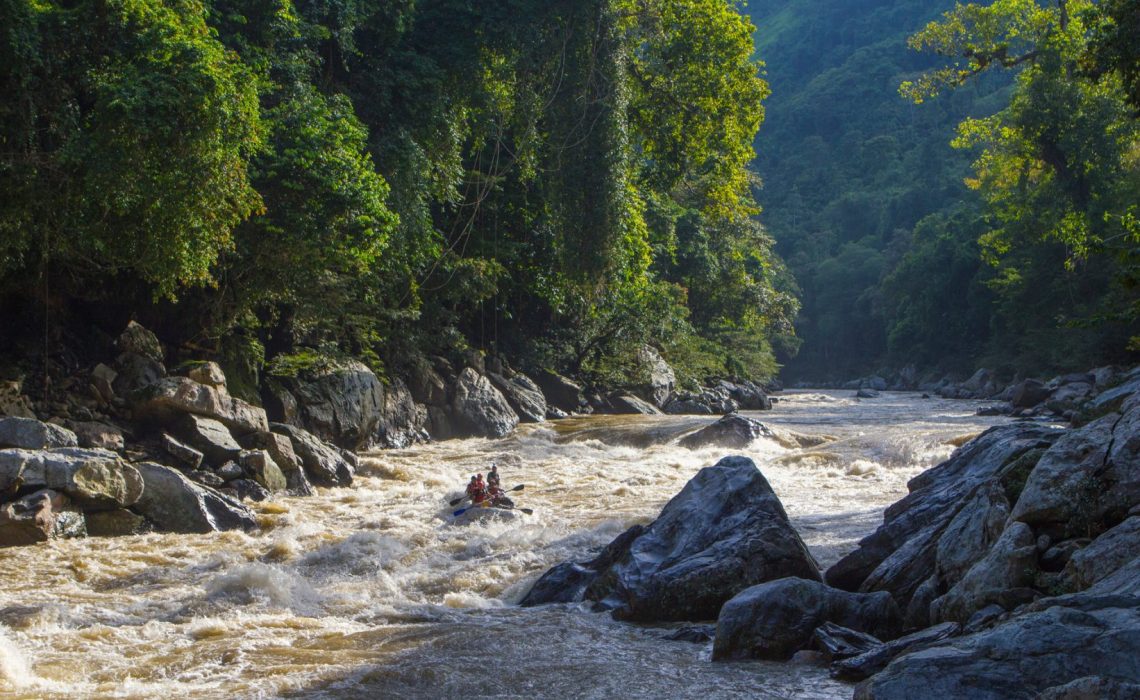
column 899, row 262
column 270, row 181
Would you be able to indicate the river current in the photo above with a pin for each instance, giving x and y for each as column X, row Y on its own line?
column 372, row 591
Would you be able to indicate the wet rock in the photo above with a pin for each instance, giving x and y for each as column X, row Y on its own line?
column 559, row 391
column 694, row 634
column 773, row 620
column 115, row 523
column 1010, row 564
column 38, row 517
column 93, row 479
column 247, row 489
column 733, row 431
column 1020, row 657
column 230, row 471
column 98, row 435
column 866, row 394
column 659, row 380
column 523, row 395
column 680, row 406
column 749, row 396
column 478, row 409
column 210, row 437
column 280, row 449
column 555, row 413
column 568, row 582
column 839, row 642
column 716, row 400
column 1029, row 393
column 725, row 531
column 972, row 531
column 31, row 434
column 902, row 553
column 262, row 469
column 1092, row 688
column 174, row 503
column 207, row 478
column 1105, row 555
column 402, row 421
column 628, row 404
column 168, row 399
column 323, row 465
column 876, row 659
column 182, row 454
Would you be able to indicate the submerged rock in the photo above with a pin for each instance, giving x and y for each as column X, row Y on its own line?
column 774, row 620
column 724, row 532
column 733, row 431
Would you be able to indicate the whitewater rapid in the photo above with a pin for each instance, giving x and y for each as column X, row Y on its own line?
column 372, row 591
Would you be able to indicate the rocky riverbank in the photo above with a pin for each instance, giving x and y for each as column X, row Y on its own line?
column 129, row 445
column 1012, row 570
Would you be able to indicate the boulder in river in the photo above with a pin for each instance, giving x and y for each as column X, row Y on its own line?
column 167, row 399
column 732, row 431
column 658, row 378
column 559, row 391
column 1029, row 393
column 174, row 503
column 871, row 661
column 523, row 395
column 628, row 404
column 323, row 464
column 774, row 620
column 208, row 436
column 280, row 449
column 38, row 517
column 339, row 401
column 478, row 409
column 93, row 479
column 725, row 531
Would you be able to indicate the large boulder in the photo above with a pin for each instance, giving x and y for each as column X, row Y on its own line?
column 659, row 380
column 99, row 435
column 402, row 422
column 1021, row 657
column 132, row 373
column 871, row 661
column 93, row 479
column 280, row 449
column 31, row 434
column 559, row 391
column 38, row 517
column 1106, row 555
column 733, row 431
column 725, row 531
column 523, row 395
column 262, row 469
column 323, row 464
column 210, row 437
column 1029, row 393
column 174, row 503
column 902, row 553
column 13, row 402
column 749, row 396
column 773, row 620
column 628, row 404
column 165, row 400
column 478, row 409
column 140, row 341
column 1008, row 566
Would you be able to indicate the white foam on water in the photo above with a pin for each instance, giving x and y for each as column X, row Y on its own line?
column 266, row 584
column 15, row 669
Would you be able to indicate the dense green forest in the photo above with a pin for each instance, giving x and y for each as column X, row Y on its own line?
column 262, row 180
column 1010, row 249
column 562, row 182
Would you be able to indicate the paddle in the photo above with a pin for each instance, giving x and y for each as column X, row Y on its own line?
column 457, row 501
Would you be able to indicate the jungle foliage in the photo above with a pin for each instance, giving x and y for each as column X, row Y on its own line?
column 559, row 180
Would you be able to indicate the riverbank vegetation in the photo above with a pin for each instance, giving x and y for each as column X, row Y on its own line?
column 561, row 182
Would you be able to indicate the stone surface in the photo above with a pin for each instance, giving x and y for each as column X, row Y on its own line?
column 174, row 503
column 733, row 431
column 478, row 409
column 210, row 437
column 262, row 469
column 838, row 642
column 133, row 373
column 280, row 449
column 31, row 434
column 323, row 464
column 93, row 479
column 1106, row 555
column 873, row 660
column 38, row 517
column 725, row 531
column 140, row 341
column 1010, row 564
column 115, row 523
column 210, row 374
column 13, row 402
column 98, row 435
column 1092, row 688
column 774, row 620
column 658, row 379
column 559, row 391
column 182, row 454
column 972, row 531
column 340, row 402
column 1029, row 393
column 523, row 395
column 167, row 399
column 628, row 404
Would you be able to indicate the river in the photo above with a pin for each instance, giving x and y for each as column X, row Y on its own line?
column 371, row 592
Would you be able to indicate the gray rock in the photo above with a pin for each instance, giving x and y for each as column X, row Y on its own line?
column 866, row 394
column 244, row 489
column 688, row 407
column 210, row 437
column 1106, row 555
column 210, row 374
column 13, row 402
column 478, row 409
column 207, row 478
column 523, row 395
column 1021, row 657
column 659, row 380
column 280, row 449
column 115, row 523
column 1029, row 393
column 31, row 434
column 840, row 642
column 1092, row 688
column 261, row 467
column 427, row 386
column 875, row 383
column 323, row 465
column 1010, row 564
column 695, row 634
column 1057, row 557
column 38, row 517
column 732, row 431
column 230, row 471
column 134, row 372
column 174, row 503
column 978, row 381
column 98, row 435
column 103, row 379
column 182, row 454
column 340, row 402
column 876, row 659
column 167, row 399
column 628, row 404
column 402, row 421
column 559, row 391
column 93, row 479
column 773, row 620
column 138, row 340
column 725, row 531
column 971, row 533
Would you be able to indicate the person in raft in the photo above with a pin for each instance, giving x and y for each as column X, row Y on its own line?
column 477, row 490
